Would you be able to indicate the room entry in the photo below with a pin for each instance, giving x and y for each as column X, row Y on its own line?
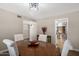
column 30, row 30
column 61, row 29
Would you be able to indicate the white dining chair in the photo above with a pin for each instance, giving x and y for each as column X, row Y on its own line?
column 42, row 37
column 12, row 48
column 18, row 37
column 66, row 47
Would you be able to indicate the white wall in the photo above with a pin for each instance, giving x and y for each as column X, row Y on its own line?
column 9, row 25
column 73, row 26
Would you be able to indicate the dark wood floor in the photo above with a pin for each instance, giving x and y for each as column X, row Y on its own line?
column 6, row 53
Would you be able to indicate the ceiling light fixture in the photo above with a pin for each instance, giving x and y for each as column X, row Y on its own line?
column 34, row 6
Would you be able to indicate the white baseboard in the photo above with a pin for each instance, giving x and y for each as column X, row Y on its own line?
column 3, row 51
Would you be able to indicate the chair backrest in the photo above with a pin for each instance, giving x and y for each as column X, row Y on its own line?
column 66, row 47
column 18, row 37
column 12, row 48
column 42, row 37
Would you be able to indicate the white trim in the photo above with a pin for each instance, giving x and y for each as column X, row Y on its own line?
column 61, row 20
column 3, row 51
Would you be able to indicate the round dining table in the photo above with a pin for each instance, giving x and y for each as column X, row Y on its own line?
column 43, row 49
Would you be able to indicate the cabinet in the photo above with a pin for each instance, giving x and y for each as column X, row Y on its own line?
column 48, row 38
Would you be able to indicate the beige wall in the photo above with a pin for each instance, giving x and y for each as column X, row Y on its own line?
column 9, row 25
column 73, row 26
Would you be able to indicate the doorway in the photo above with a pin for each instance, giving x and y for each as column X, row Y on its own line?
column 30, row 30
column 61, row 29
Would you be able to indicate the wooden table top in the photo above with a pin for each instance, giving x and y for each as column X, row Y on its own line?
column 43, row 49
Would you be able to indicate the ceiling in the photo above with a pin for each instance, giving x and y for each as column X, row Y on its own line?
column 45, row 9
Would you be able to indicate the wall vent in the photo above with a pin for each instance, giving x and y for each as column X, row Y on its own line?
column 19, row 16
